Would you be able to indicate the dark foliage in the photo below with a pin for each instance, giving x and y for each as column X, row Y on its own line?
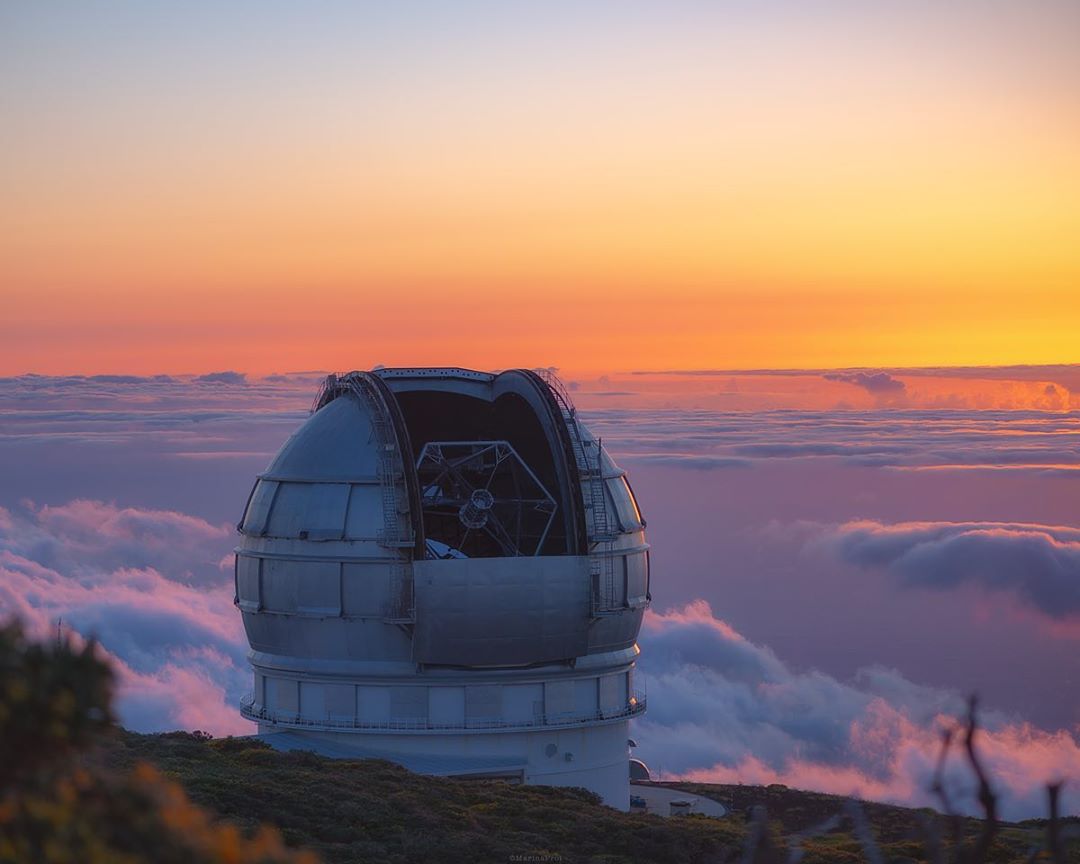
column 54, row 701
column 58, row 805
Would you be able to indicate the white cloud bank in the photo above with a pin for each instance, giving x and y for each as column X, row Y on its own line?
column 723, row 709
column 153, row 586
column 1039, row 564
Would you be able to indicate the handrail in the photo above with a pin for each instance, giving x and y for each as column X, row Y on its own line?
column 633, row 708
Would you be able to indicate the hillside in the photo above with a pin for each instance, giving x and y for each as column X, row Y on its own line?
column 374, row 811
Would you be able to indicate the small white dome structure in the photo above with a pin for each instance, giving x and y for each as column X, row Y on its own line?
column 444, row 568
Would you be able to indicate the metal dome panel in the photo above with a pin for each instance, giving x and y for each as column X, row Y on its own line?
column 494, row 612
column 336, row 444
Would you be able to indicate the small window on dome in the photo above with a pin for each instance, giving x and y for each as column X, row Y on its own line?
column 623, row 500
column 258, row 509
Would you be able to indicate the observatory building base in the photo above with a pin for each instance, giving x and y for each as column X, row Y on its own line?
column 594, row 758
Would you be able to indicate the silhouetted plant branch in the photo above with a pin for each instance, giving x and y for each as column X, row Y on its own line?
column 758, row 848
column 987, row 798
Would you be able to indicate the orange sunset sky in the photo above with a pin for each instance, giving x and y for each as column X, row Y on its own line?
column 611, row 185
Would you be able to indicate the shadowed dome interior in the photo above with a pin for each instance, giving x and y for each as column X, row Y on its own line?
column 445, row 416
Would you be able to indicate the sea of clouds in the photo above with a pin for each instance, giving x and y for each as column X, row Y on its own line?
column 117, row 521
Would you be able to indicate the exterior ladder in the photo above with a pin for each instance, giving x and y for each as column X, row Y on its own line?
column 591, row 472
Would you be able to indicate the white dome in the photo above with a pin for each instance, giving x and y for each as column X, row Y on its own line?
column 444, row 553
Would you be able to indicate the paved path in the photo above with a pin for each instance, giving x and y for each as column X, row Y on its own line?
column 658, row 800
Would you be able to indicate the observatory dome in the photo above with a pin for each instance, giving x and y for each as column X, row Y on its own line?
column 444, row 568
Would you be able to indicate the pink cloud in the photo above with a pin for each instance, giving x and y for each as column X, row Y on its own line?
column 172, row 634
column 90, row 537
column 1020, row 759
column 722, row 709
column 184, row 695
column 696, row 612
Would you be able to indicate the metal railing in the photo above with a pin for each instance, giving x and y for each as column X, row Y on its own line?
column 635, row 706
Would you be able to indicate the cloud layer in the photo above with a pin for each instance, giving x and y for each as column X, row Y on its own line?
column 722, row 709
column 154, row 587
column 1040, row 564
column 910, row 440
column 860, row 498
column 227, row 414
column 876, row 383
